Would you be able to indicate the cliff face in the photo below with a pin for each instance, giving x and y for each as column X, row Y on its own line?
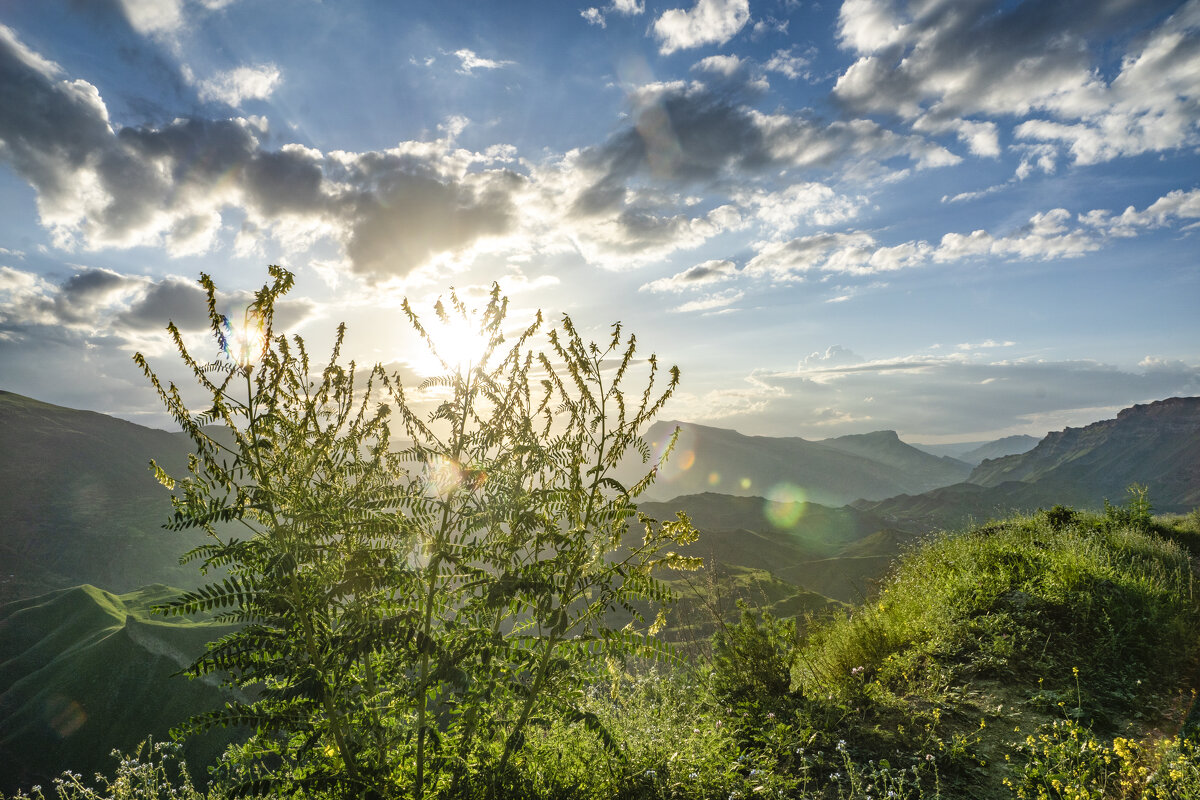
column 1156, row 444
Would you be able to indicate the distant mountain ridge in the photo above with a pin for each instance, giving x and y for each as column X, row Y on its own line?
column 831, row 472
column 1155, row 444
column 973, row 453
column 80, row 504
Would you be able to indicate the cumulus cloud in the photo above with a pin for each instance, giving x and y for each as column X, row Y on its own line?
column 701, row 275
column 707, row 22
column 1052, row 234
column 233, row 86
column 789, row 64
column 599, row 16
column 469, row 62
column 101, row 303
column 712, row 302
column 688, row 132
column 1036, row 61
column 98, row 186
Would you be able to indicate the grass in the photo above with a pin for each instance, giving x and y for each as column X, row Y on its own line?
column 1049, row 656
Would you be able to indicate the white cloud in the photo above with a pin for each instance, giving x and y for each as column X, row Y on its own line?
column 1033, row 62
column 701, row 275
column 235, row 85
column 788, row 64
column 469, row 62
column 154, row 16
column 628, row 8
column 711, row 302
column 708, row 22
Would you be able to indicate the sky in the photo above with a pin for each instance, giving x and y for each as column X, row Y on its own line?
column 955, row 219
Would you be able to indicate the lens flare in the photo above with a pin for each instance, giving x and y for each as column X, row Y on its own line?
column 714, row 478
column 785, row 505
column 244, row 343
column 745, row 483
column 681, row 459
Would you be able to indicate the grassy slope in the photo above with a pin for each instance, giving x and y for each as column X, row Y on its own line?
column 80, row 503
column 84, row 671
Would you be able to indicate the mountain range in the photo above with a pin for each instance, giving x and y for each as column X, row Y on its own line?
column 832, row 472
column 794, row 525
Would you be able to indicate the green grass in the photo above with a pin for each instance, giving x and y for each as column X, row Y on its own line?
column 1049, row 656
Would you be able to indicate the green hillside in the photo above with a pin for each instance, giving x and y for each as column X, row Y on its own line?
column 83, row 671
column 1050, row 656
column 80, row 504
column 1157, row 445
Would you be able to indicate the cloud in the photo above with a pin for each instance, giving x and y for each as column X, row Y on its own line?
column 690, row 132
column 942, row 395
column 391, row 211
column 1048, row 235
column 799, row 204
column 708, row 22
column 241, row 83
column 153, row 16
column 790, row 65
column 101, row 303
column 701, row 275
column 628, row 8
column 712, row 302
column 1035, row 61
column 469, row 62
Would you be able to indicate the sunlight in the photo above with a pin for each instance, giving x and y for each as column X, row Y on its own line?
column 458, row 342
column 245, row 342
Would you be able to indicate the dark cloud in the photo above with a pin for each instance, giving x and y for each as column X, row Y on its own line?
column 98, row 187
column 696, row 133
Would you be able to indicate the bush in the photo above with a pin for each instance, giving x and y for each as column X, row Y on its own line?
column 408, row 614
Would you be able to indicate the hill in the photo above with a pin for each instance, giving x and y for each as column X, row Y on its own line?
column 1156, row 445
column 831, row 472
column 837, row 553
column 80, row 504
column 84, row 671
column 973, row 453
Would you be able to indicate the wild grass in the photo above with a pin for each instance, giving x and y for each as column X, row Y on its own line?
column 1048, row 656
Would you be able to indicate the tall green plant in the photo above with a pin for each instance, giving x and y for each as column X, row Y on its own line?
column 408, row 612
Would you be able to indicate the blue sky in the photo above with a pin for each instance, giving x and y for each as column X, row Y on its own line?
column 952, row 218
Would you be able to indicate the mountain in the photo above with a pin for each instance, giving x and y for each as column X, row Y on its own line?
column 1157, row 445
column 1008, row 446
column 84, row 671
column 837, row 553
column 972, row 453
column 80, row 504
column 831, row 472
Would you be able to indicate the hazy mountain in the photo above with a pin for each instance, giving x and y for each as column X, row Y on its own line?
column 1008, row 446
column 1157, row 445
column 972, row 453
column 80, row 504
column 84, row 671
column 831, row 472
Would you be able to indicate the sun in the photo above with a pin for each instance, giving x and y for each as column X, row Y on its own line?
column 457, row 342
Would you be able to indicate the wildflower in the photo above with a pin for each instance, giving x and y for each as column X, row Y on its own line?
column 929, row 756
column 770, row 715
column 841, row 745
column 651, row 773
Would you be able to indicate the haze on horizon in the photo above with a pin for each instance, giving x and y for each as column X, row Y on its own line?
column 958, row 220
